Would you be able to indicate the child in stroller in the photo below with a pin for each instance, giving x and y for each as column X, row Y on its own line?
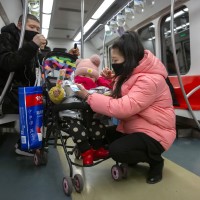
column 87, row 136
column 89, row 141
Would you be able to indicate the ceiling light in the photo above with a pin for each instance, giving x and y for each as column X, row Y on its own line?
column 89, row 24
column 47, row 6
column 46, row 20
column 78, row 37
column 101, row 10
column 45, row 32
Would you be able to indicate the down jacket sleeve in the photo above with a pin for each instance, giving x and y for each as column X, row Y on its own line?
column 139, row 97
column 12, row 59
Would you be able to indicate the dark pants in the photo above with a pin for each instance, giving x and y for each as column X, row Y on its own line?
column 133, row 148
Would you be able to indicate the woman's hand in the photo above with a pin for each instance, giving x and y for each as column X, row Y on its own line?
column 107, row 73
column 83, row 93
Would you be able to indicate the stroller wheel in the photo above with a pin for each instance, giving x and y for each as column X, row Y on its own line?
column 40, row 157
column 77, row 153
column 116, row 172
column 67, row 185
column 124, row 169
column 37, row 159
column 78, row 183
column 44, row 156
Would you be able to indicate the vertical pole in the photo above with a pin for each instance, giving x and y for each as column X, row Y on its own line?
column 82, row 27
column 41, row 10
column 25, row 11
column 104, row 41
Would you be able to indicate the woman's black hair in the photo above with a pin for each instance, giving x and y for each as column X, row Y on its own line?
column 131, row 48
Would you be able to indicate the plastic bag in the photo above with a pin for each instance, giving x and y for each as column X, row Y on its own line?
column 31, row 117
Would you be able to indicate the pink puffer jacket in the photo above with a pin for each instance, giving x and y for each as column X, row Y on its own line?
column 146, row 103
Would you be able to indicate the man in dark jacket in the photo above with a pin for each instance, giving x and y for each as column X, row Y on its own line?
column 21, row 61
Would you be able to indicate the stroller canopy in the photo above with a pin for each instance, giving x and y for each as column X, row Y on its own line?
column 59, row 60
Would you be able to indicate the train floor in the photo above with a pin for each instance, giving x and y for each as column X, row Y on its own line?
column 21, row 179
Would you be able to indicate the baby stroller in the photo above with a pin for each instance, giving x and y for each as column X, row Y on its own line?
column 57, row 114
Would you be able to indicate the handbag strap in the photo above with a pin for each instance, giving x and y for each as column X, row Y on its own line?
column 38, row 77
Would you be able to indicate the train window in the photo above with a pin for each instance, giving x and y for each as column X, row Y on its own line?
column 182, row 40
column 147, row 37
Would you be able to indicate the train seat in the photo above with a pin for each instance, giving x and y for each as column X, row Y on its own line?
column 189, row 82
column 7, row 118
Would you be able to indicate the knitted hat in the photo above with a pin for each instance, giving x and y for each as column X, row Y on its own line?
column 88, row 66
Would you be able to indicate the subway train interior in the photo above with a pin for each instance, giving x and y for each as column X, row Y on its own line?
column 169, row 29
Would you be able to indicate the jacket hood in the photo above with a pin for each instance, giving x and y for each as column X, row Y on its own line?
column 151, row 64
column 12, row 30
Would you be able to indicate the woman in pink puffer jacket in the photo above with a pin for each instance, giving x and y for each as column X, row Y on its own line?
column 142, row 102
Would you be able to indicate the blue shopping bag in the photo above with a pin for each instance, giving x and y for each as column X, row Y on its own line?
column 31, row 117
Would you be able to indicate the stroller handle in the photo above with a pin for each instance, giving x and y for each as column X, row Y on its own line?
column 72, row 105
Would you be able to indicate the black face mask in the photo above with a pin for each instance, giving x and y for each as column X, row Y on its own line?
column 29, row 35
column 118, row 68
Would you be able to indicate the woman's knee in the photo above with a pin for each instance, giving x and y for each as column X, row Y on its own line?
column 114, row 150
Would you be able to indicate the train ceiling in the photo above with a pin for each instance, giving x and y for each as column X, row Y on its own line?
column 66, row 16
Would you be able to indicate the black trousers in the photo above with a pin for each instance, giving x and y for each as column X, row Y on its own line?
column 133, row 148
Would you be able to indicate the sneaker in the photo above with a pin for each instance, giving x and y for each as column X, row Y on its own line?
column 88, row 157
column 22, row 152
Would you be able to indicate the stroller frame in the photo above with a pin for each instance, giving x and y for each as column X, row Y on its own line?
column 55, row 127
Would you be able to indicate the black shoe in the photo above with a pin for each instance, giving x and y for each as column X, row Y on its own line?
column 154, row 179
column 155, row 173
column 21, row 152
column 132, row 164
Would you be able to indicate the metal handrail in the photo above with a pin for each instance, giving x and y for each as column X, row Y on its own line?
column 82, row 27
column 11, row 75
column 177, row 66
column 104, row 41
column 93, row 32
column 193, row 91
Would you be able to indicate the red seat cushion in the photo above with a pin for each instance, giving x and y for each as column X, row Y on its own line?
column 189, row 82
